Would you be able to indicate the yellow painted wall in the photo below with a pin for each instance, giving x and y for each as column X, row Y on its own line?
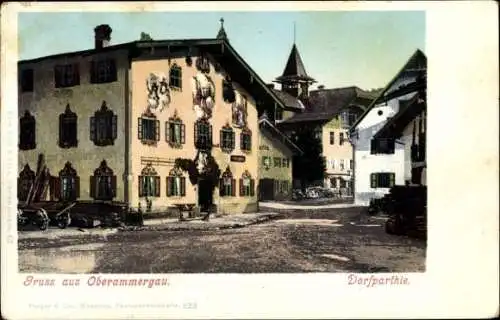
column 182, row 103
column 46, row 103
column 270, row 147
column 336, row 151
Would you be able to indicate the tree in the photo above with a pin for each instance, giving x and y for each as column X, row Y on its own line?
column 145, row 37
column 310, row 166
column 210, row 172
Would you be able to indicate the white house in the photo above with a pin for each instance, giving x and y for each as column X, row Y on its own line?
column 381, row 163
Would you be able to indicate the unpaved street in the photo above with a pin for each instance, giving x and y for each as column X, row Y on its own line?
column 328, row 240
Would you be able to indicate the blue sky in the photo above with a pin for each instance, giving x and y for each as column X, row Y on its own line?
column 338, row 48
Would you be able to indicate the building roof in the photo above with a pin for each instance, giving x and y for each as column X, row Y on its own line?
column 294, row 69
column 325, row 104
column 222, row 32
column 413, row 63
column 265, row 124
column 289, row 100
column 408, row 110
column 219, row 49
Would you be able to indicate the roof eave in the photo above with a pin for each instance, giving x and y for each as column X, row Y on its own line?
column 264, row 123
column 389, row 84
column 253, row 73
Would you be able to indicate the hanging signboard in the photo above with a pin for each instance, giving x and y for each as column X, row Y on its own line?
column 238, row 158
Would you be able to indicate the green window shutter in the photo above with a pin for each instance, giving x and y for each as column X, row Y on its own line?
column 114, row 126
column 76, row 189
column 157, row 130
column 233, row 187
column 169, row 186
column 139, row 129
column 167, row 131
column 242, row 189
column 157, row 186
column 210, row 135
column 92, row 128
column 392, row 177
column 183, row 133
column 113, row 186
column 221, row 142
column 252, row 187
column 221, row 187
column 183, row 186
column 373, row 179
column 141, row 186
column 92, row 187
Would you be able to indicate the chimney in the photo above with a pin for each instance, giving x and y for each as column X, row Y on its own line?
column 321, row 87
column 270, row 85
column 102, row 34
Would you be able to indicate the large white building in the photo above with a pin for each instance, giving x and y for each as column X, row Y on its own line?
column 380, row 162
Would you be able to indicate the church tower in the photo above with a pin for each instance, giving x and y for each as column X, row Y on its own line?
column 294, row 79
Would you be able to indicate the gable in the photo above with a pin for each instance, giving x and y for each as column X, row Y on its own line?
column 406, row 75
column 269, row 140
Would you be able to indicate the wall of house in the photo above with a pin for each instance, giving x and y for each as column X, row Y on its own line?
column 407, row 139
column 271, row 148
column 46, row 103
column 367, row 163
column 162, row 156
column 335, row 152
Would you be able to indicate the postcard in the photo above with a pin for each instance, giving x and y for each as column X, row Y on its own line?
column 249, row 160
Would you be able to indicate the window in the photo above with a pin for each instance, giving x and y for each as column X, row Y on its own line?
column 103, row 130
column 266, row 162
column 277, row 162
column 68, row 133
column 176, row 183
column 352, row 118
column 279, row 114
column 175, row 132
column 227, row 185
column 103, row 71
column 66, row 75
column 228, row 94
column 103, row 183
column 176, row 77
column 382, row 145
column 341, row 138
column 333, row 163
column 285, row 163
column 247, row 185
column 332, row 137
column 24, row 182
column 69, row 183
column 203, row 135
column 26, row 80
column 382, row 180
column 149, row 182
column 227, row 139
column 284, row 187
column 342, row 164
column 148, row 129
column 246, row 140
column 351, row 164
column 27, row 132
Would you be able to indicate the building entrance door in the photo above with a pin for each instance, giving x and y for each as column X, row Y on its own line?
column 205, row 194
column 266, row 189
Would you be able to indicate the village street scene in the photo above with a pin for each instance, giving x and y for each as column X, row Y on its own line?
column 284, row 146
